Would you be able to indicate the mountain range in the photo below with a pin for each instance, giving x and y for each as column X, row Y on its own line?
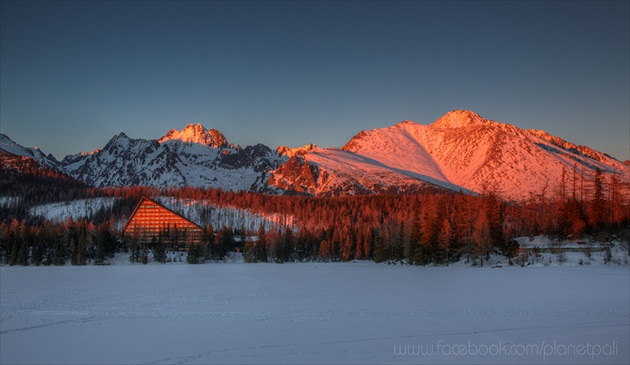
column 459, row 151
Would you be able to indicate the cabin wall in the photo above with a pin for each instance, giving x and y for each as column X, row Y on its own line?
column 150, row 219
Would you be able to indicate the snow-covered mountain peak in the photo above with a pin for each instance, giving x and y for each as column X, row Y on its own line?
column 463, row 149
column 406, row 122
column 459, row 119
column 460, row 151
column 376, row 139
column 196, row 133
column 122, row 136
column 299, row 151
column 8, row 145
column 91, row 153
column 121, row 139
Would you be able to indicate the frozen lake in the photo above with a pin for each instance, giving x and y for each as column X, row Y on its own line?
column 313, row 313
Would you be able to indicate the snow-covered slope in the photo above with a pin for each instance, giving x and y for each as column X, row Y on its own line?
column 35, row 153
column 459, row 150
column 75, row 209
column 204, row 213
column 191, row 157
column 333, row 171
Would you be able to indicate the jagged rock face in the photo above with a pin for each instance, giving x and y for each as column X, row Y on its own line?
column 459, row 151
column 126, row 162
column 299, row 151
column 196, row 133
column 259, row 157
column 295, row 175
column 187, row 158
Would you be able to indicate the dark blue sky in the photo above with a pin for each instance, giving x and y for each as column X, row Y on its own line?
column 73, row 74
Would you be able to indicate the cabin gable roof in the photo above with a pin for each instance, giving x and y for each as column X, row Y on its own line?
column 144, row 200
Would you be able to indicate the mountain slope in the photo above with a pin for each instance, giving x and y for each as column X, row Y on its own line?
column 191, row 157
column 459, row 151
column 465, row 150
column 35, row 153
column 333, row 172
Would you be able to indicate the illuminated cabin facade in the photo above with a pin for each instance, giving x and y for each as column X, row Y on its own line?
column 151, row 220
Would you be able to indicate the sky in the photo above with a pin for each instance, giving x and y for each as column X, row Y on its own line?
column 74, row 74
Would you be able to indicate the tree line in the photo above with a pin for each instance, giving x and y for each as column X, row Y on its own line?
column 78, row 242
column 435, row 227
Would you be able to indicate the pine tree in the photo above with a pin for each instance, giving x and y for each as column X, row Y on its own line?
column 346, row 247
column 13, row 241
column 218, row 251
column 159, row 253
column 38, row 245
column 260, row 246
column 195, row 254
column 324, row 251
column 249, row 252
column 617, row 210
column 80, row 251
column 208, row 241
column 596, row 215
column 103, row 243
column 61, row 248
column 508, row 249
column 481, row 236
column 368, row 243
column 288, row 244
column 144, row 255
column 445, row 242
column 299, row 253
column 23, row 254
column 134, row 248
column 272, row 241
column 4, row 244
column 358, row 253
column 82, row 242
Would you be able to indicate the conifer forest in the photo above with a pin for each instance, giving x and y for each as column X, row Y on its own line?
column 434, row 227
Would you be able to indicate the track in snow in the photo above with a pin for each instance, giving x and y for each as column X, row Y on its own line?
column 306, row 313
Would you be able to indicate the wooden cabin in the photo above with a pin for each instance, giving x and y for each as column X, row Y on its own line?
column 151, row 220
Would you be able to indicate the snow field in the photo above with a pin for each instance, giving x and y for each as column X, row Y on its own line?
column 75, row 209
column 313, row 313
column 224, row 216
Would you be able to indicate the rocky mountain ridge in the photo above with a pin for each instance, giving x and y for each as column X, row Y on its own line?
column 459, row 151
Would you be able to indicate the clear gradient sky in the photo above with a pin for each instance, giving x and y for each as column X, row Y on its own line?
column 74, row 74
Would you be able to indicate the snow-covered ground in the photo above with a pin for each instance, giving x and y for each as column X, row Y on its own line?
column 571, row 253
column 313, row 313
column 204, row 212
column 75, row 209
column 8, row 201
